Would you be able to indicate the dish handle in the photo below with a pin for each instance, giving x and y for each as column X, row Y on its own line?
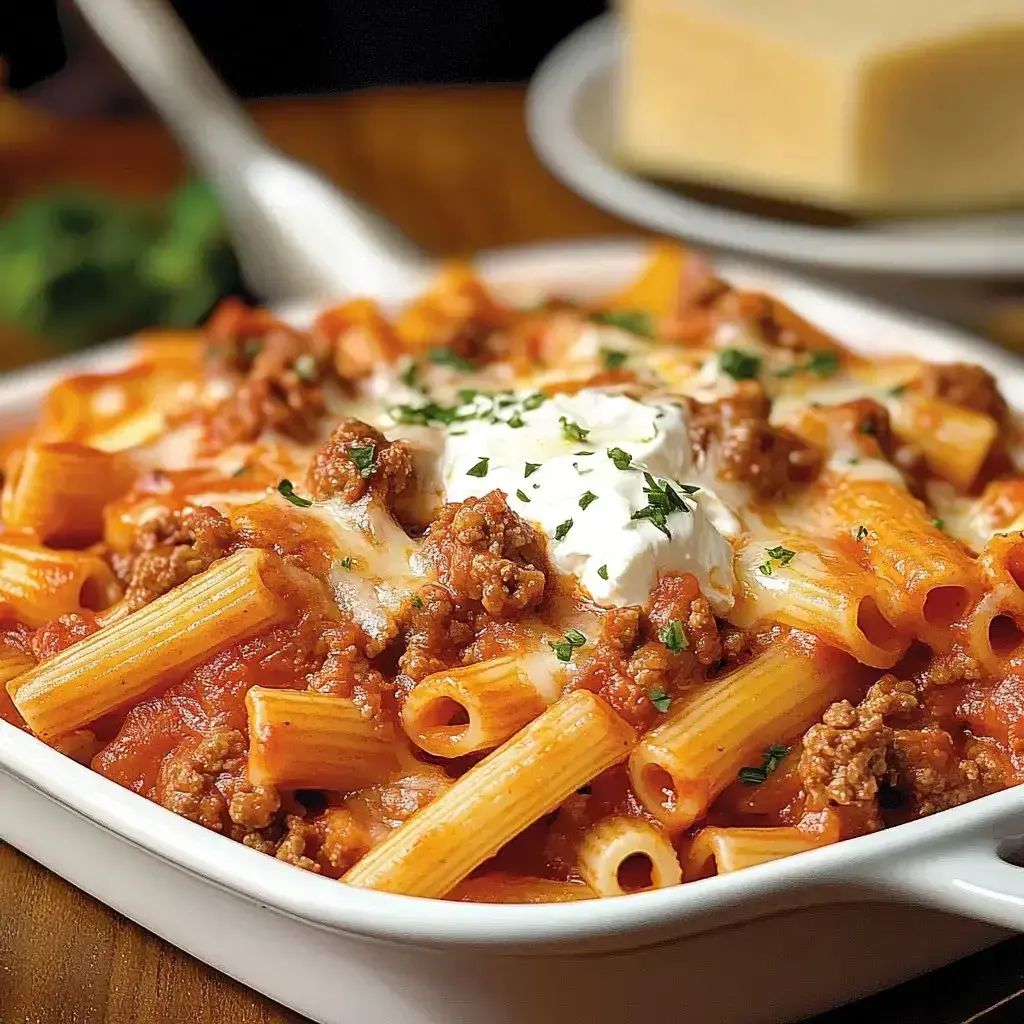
column 975, row 876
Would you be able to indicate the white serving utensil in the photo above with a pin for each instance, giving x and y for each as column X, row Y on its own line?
column 296, row 236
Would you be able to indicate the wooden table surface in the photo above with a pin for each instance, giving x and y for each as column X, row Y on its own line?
column 454, row 169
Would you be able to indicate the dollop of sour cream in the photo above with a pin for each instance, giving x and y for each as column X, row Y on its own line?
column 580, row 467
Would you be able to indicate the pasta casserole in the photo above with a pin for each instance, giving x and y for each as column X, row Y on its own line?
column 522, row 603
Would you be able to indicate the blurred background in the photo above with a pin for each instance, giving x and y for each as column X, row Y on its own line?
column 416, row 107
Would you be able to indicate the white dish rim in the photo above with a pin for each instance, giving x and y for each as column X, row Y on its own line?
column 858, row 868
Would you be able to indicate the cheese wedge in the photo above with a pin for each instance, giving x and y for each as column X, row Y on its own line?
column 862, row 105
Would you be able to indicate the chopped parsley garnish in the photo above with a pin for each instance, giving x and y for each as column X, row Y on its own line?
column 562, row 529
column 662, row 501
column 531, row 468
column 862, row 532
column 603, row 572
column 305, row 368
column 411, row 374
column 417, row 601
column 674, row 637
column 622, row 460
column 429, row 414
column 587, row 499
column 660, row 699
column 363, row 457
column 287, row 490
column 523, row 496
column 772, row 758
column 446, row 357
column 516, row 420
column 563, row 649
column 782, row 556
column 898, row 391
column 939, row 524
column 613, row 358
column 346, row 563
column 738, row 364
column 821, row 364
column 869, row 427
column 634, row 321
column 480, row 469
column 534, row 401
column 572, row 431
column 467, row 395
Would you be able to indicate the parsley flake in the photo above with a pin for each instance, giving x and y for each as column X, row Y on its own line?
column 572, row 431
column 411, row 374
column 660, row 699
column 622, row 460
column 674, row 637
column 287, row 490
column 516, row 420
column 821, row 364
column 783, row 556
column 939, row 524
column 534, row 401
column 634, row 321
column 898, row 391
column 613, row 358
column 363, row 457
column 662, row 500
column 446, row 357
column 346, row 563
column 862, row 532
column 531, row 468
column 868, row 427
column 480, row 469
column 417, row 601
column 603, row 572
column 773, row 756
column 587, row 498
column 562, row 529
column 523, row 496
column 572, row 638
column 738, row 364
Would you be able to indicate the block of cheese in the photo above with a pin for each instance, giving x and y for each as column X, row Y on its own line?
column 862, row 105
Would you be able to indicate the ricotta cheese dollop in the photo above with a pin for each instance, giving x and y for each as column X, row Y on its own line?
column 608, row 479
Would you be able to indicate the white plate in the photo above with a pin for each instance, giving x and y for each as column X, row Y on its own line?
column 570, row 118
column 756, row 947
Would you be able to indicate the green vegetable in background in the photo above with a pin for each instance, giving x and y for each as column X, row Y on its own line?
column 78, row 268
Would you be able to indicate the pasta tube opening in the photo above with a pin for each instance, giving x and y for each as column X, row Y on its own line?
column 623, row 855
column 945, row 605
column 464, row 710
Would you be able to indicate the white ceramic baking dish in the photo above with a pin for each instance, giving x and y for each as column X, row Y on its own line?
column 769, row 944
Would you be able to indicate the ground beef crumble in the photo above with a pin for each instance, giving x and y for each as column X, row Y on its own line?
column 734, row 434
column 435, row 632
column 844, row 756
column 482, row 551
column 170, row 548
column 346, row 670
column 282, row 371
column 630, row 660
column 204, row 780
column 388, row 471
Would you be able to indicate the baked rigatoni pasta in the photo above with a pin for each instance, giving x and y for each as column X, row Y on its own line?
column 548, row 603
column 123, row 662
column 573, row 741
